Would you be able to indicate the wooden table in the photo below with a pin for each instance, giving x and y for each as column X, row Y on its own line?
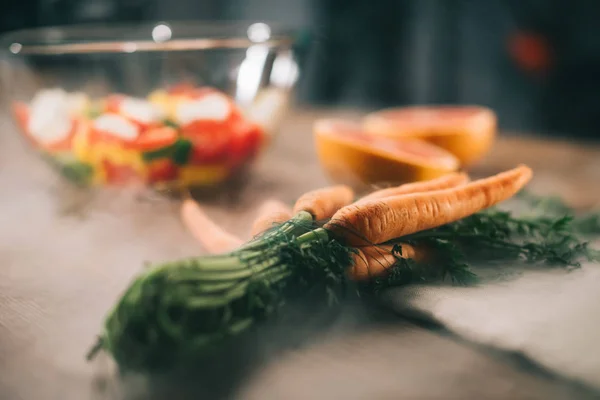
column 365, row 354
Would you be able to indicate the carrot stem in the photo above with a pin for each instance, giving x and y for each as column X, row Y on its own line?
column 317, row 234
column 299, row 224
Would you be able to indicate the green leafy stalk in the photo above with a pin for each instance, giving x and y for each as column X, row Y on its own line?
column 490, row 236
column 300, row 224
column 177, row 311
column 549, row 207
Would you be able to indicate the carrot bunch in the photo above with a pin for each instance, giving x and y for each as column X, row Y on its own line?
column 328, row 239
column 368, row 223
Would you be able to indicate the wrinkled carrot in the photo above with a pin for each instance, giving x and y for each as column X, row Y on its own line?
column 380, row 220
column 270, row 213
column 323, row 203
column 211, row 236
column 374, row 261
column 444, row 182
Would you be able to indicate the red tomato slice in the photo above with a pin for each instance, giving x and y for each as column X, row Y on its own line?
column 162, row 171
column 98, row 136
column 253, row 140
column 210, row 147
column 236, row 115
column 203, row 127
column 154, row 138
column 248, row 140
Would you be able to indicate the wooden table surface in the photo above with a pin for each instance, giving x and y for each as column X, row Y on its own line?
column 364, row 355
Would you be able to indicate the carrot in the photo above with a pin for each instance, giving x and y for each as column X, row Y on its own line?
column 271, row 212
column 380, row 220
column 374, row 261
column 444, row 182
column 323, row 203
column 212, row 237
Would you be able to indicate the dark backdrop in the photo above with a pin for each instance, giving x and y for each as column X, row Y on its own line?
column 536, row 62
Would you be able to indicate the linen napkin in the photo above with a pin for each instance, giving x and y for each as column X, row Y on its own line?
column 551, row 316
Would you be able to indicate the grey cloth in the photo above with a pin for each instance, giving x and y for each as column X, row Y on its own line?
column 550, row 316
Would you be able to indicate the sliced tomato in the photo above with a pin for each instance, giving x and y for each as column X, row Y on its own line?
column 153, row 139
column 100, row 136
column 248, row 140
column 119, row 174
column 209, row 152
column 162, row 171
column 210, row 146
column 203, row 127
column 253, row 139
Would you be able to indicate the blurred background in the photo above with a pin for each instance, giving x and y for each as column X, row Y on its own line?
column 536, row 62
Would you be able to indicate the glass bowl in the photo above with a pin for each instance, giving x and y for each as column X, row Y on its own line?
column 186, row 104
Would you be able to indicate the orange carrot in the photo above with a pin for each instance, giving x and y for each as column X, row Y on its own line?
column 447, row 181
column 271, row 212
column 323, row 203
column 374, row 261
column 211, row 236
column 380, row 220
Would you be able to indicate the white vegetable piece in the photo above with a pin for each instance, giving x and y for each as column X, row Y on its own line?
column 49, row 116
column 141, row 110
column 117, row 126
column 213, row 107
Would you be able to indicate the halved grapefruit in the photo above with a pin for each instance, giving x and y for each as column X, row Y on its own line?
column 350, row 156
column 466, row 131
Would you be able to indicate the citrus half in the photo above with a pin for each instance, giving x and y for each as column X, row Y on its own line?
column 466, row 131
column 350, row 156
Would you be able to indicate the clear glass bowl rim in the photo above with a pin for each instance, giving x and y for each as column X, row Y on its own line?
column 124, row 37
